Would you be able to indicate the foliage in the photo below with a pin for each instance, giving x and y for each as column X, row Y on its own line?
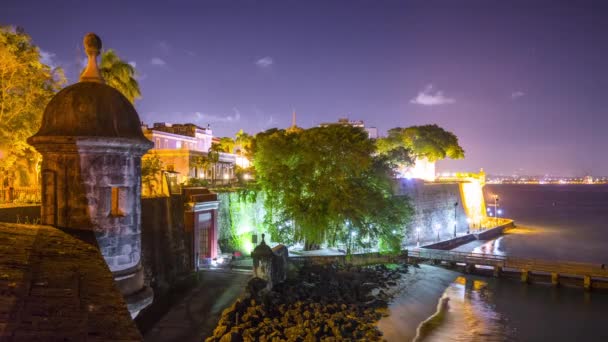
column 120, row 75
column 327, row 185
column 240, row 215
column 26, row 86
column 197, row 182
column 428, row 141
column 151, row 165
column 243, row 143
column 226, row 145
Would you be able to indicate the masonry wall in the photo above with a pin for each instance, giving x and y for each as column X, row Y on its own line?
column 22, row 214
column 434, row 210
column 166, row 246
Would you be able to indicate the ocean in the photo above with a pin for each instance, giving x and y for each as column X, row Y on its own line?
column 556, row 222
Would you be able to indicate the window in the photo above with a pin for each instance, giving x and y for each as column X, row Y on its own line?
column 178, row 144
column 117, row 202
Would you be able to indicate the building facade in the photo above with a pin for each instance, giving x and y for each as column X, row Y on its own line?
column 372, row 132
column 184, row 148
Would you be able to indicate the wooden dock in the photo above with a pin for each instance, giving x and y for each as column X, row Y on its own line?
column 558, row 272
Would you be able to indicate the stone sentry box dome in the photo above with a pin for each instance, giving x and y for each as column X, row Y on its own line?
column 91, row 144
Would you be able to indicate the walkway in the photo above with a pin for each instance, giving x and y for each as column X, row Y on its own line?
column 588, row 272
column 195, row 317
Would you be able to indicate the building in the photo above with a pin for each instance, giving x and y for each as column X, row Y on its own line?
column 184, row 148
column 372, row 132
column 91, row 145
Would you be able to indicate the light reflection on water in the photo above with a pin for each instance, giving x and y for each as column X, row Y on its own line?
column 575, row 229
column 470, row 315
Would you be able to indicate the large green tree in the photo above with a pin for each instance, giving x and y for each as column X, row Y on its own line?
column 26, row 86
column 327, row 185
column 428, row 141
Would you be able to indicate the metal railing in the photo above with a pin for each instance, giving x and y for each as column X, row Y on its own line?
column 534, row 265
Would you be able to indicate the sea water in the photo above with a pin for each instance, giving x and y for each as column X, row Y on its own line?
column 554, row 222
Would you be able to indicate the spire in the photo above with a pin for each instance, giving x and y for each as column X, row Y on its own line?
column 293, row 118
column 92, row 46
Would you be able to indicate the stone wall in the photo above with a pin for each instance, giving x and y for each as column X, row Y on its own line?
column 166, row 246
column 354, row 259
column 21, row 214
column 434, row 210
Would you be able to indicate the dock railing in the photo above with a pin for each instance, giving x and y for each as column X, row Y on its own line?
column 508, row 262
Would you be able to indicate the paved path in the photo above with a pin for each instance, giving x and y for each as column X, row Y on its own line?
column 196, row 315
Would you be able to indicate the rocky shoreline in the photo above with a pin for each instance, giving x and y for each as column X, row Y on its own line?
column 317, row 303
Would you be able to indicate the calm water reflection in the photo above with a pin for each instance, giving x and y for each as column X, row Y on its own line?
column 554, row 222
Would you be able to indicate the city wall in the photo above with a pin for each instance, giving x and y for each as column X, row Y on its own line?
column 20, row 214
column 434, row 210
column 166, row 246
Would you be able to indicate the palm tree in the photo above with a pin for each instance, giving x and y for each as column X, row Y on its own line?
column 119, row 75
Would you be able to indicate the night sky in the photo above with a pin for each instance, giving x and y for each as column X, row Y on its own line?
column 523, row 84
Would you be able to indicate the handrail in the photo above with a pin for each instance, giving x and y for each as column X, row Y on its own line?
column 564, row 267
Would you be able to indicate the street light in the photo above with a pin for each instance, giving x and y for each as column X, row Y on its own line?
column 418, row 240
column 437, row 226
column 455, row 218
column 495, row 210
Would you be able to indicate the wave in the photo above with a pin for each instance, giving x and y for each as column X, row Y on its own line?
column 429, row 325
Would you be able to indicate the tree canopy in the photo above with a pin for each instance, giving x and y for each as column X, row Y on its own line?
column 327, row 184
column 26, row 86
column 119, row 74
column 226, row 144
column 428, row 141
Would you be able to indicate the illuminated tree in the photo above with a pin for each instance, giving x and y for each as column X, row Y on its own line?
column 428, row 141
column 120, row 75
column 226, row 144
column 243, row 142
column 327, row 185
column 26, row 86
column 151, row 165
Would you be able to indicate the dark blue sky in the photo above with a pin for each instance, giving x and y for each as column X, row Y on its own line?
column 522, row 83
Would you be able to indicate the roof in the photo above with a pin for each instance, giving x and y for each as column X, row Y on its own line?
column 54, row 287
column 90, row 109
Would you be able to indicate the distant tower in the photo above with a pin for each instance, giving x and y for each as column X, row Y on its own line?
column 91, row 144
column 293, row 118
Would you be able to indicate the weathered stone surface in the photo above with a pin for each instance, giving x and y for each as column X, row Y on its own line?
column 91, row 144
column 270, row 264
column 90, row 109
column 54, row 287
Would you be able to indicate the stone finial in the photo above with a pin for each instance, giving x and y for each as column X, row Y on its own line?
column 263, row 242
column 92, row 47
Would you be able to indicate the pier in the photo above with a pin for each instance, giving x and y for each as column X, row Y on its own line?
column 589, row 276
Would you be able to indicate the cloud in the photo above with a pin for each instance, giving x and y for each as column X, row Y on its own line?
column 264, row 62
column 157, row 61
column 47, row 58
column 209, row 118
column 133, row 64
column 517, row 94
column 164, row 47
column 431, row 97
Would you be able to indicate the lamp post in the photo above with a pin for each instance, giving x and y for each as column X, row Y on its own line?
column 455, row 218
column 418, row 239
column 495, row 210
column 437, row 226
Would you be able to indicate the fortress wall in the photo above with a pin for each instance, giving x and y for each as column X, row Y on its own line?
column 166, row 246
column 433, row 205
